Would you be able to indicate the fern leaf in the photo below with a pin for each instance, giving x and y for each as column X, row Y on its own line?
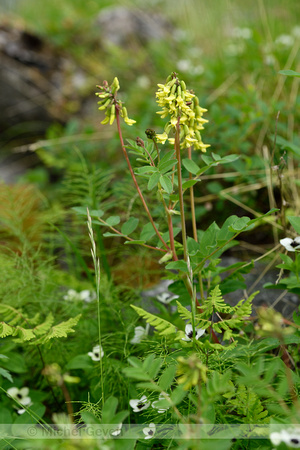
column 244, row 307
column 60, row 330
column 214, row 303
column 162, row 326
column 24, row 335
column 184, row 313
column 44, row 327
column 6, row 330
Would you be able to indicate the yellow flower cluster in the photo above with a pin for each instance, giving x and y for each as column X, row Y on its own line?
column 184, row 110
column 110, row 104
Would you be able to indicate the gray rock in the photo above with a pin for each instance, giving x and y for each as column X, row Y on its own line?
column 121, row 26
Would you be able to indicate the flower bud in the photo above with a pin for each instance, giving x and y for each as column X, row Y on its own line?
column 150, row 133
column 124, row 112
column 112, row 114
column 104, row 105
column 183, row 85
column 115, row 85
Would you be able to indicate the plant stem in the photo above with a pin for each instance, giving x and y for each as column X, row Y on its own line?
column 170, row 227
column 194, row 224
column 135, row 181
column 129, row 238
column 96, row 262
column 192, row 200
column 180, row 193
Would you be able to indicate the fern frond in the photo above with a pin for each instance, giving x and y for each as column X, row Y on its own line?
column 44, row 327
column 60, row 330
column 15, row 321
column 246, row 403
column 215, row 303
column 162, row 326
column 24, row 335
column 244, row 307
column 6, row 330
column 184, row 313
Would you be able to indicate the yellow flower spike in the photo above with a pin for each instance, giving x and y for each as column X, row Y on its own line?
column 176, row 101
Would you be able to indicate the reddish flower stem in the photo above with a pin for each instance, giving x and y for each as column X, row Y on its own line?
column 136, row 183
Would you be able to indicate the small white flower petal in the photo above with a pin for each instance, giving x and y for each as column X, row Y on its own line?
column 13, row 391
column 24, row 391
column 166, row 298
column 149, row 431
column 160, row 410
column 139, row 334
column 275, row 438
column 117, row 431
column 25, row 401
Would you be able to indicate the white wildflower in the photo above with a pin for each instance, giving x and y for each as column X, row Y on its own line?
column 184, row 65
column 97, row 353
column 21, row 395
column 242, row 33
column 296, row 31
column 149, row 431
column 285, row 39
column 139, row 405
column 160, row 397
column 166, row 297
column 117, row 431
column 139, row 334
column 291, row 244
column 87, row 296
column 189, row 333
column 290, row 436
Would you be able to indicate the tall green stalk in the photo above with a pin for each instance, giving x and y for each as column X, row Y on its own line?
column 96, row 262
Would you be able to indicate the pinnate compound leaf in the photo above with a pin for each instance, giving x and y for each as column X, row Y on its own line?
column 60, row 330
column 25, row 335
column 167, row 378
column 178, row 265
column 153, row 180
column 6, row 330
column 44, row 327
column 191, row 166
column 113, row 220
column 178, row 395
column 152, row 365
column 189, row 183
column 162, row 326
column 5, row 374
column 166, row 183
column 129, row 226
